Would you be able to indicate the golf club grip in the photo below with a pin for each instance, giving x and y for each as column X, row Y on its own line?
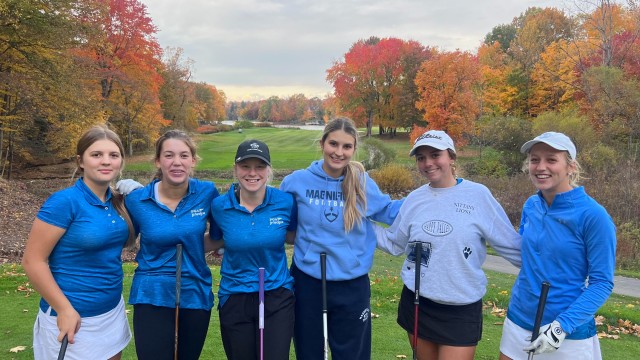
column 261, row 298
column 544, row 291
column 323, row 278
column 178, row 273
column 63, row 347
column 418, row 253
column 325, row 323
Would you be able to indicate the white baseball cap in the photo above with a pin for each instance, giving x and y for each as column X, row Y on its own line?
column 556, row 140
column 436, row 139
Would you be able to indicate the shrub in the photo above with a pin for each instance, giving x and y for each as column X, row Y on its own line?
column 212, row 129
column 243, row 124
column 394, row 179
column 377, row 154
column 489, row 163
column 262, row 124
column 628, row 246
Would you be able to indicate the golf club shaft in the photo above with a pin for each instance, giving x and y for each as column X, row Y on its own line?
column 261, row 310
column 178, row 285
column 416, row 299
column 325, row 330
column 63, row 347
column 544, row 291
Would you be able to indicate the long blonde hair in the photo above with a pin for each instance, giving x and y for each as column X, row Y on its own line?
column 353, row 185
column 87, row 139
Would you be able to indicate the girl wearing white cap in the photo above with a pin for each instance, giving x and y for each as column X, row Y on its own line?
column 568, row 240
column 451, row 219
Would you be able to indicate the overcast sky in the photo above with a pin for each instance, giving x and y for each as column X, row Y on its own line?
column 253, row 49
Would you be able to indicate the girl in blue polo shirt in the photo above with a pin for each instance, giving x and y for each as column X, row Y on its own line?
column 254, row 220
column 568, row 240
column 336, row 200
column 72, row 258
column 173, row 209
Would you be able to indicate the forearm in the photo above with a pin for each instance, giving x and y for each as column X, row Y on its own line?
column 42, row 280
column 212, row 245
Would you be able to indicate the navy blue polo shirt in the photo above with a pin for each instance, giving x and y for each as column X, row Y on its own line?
column 86, row 261
column 253, row 240
column 161, row 229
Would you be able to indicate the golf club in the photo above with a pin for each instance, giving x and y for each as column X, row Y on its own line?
column 416, row 299
column 63, row 347
column 325, row 330
column 544, row 291
column 261, row 311
column 178, row 285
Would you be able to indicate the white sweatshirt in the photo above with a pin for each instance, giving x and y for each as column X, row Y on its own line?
column 453, row 224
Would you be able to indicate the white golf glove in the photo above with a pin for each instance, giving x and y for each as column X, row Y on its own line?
column 549, row 340
column 126, row 186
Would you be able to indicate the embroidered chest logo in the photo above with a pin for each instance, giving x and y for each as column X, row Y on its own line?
column 330, row 214
column 197, row 212
column 276, row 221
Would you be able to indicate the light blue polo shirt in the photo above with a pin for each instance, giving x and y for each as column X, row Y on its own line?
column 253, row 240
column 86, row 261
column 161, row 229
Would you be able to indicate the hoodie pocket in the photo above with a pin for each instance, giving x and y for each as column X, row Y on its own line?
column 340, row 260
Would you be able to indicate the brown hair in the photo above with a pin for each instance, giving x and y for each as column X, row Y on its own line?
column 87, row 139
column 173, row 134
column 353, row 185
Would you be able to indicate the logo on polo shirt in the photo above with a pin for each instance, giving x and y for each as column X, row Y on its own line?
column 197, row 212
column 276, row 221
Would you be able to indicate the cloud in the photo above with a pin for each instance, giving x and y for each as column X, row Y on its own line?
column 249, row 48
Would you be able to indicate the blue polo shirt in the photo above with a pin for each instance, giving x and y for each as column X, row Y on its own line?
column 253, row 240
column 86, row 261
column 161, row 229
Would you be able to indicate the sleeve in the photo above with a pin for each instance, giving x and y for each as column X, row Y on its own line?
column 215, row 233
column 128, row 202
column 503, row 238
column 599, row 234
column 380, row 207
column 57, row 210
column 394, row 239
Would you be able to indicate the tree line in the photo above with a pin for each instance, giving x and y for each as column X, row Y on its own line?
column 68, row 64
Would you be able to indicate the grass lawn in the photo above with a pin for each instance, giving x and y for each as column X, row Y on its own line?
column 295, row 149
column 20, row 304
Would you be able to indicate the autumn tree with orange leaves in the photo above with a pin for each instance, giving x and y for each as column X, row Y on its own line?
column 373, row 83
column 447, row 86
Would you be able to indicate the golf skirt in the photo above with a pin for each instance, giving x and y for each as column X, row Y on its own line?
column 99, row 337
column 453, row 325
column 515, row 338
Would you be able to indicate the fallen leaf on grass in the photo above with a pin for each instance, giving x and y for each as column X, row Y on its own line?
column 17, row 349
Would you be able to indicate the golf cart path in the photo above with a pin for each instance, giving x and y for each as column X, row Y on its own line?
column 622, row 285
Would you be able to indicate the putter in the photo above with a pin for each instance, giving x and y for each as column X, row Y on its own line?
column 178, row 285
column 416, row 299
column 261, row 311
column 63, row 347
column 544, row 291
column 325, row 330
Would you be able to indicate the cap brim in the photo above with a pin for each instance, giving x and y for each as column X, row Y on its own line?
column 253, row 156
column 435, row 146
